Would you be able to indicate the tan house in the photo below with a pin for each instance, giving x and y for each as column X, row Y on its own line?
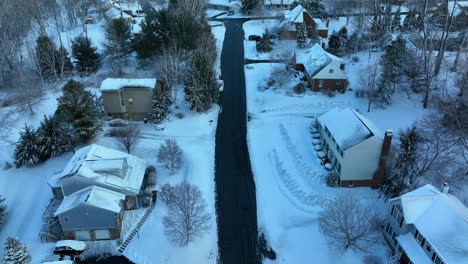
column 324, row 71
column 298, row 16
column 129, row 98
column 355, row 147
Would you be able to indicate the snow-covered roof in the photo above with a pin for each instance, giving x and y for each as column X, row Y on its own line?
column 319, row 25
column 296, row 14
column 73, row 244
column 413, row 249
column 459, row 7
column 346, row 126
column 115, row 84
column 316, row 58
column 93, row 196
column 115, row 13
column 441, row 218
column 108, row 167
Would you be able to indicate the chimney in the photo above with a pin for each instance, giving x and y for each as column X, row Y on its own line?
column 446, row 188
column 379, row 175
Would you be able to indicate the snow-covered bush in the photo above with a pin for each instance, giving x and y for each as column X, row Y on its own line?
column 332, row 179
column 27, row 151
column 15, row 252
column 170, row 156
column 118, row 123
column 151, row 176
column 300, row 88
column 264, row 250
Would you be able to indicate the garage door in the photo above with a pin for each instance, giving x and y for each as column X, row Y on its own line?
column 102, row 234
column 82, row 235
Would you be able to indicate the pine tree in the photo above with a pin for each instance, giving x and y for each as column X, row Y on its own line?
column 119, row 36
column 354, row 44
column 79, row 109
column 201, row 87
column 155, row 33
column 15, row 252
column 396, row 22
column 393, row 63
column 250, row 6
column 334, row 44
column 3, row 212
column 405, row 169
column 63, row 65
column 302, row 35
column 27, row 150
column 86, row 55
column 53, row 140
column 314, row 7
column 265, row 44
column 161, row 102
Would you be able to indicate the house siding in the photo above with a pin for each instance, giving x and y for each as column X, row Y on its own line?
column 328, row 84
column 361, row 161
column 88, row 217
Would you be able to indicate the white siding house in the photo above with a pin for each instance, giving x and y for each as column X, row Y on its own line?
column 428, row 226
column 356, row 149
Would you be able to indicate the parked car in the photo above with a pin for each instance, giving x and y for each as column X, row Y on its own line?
column 255, row 37
column 69, row 247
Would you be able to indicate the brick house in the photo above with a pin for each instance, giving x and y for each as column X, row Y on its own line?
column 323, row 70
column 357, row 150
column 428, row 226
column 298, row 16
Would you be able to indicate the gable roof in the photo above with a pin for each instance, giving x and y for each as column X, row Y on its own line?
column 116, row 84
column 296, row 14
column 441, row 218
column 94, row 196
column 316, row 58
column 279, row 2
column 346, row 126
column 460, row 7
column 108, row 167
column 114, row 12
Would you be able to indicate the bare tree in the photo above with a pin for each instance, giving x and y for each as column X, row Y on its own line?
column 26, row 88
column 368, row 79
column 187, row 215
column 170, row 156
column 348, row 224
column 127, row 136
column 171, row 66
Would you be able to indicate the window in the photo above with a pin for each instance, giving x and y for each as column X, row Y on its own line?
column 391, row 233
column 331, row 71
column 350, row 184
column 320, row 83
column 338, row 168
column 436, row 259
column 338, row 82
column 122, row 98
column 82, row 235
column 428, row 247
column 341, row 152
column 420, row 238
column 102, row 234
column 397, row 215
column 66, row 219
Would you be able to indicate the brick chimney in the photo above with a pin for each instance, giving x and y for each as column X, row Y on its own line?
column 379, row 175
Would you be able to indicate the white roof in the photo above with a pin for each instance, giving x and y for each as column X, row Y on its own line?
column 115, row 13
column 316, row 58
column 413, row 249
column 345, row 126
column 319, row 24
column 115, row 84
column 93, row 196
column 279, row 2
column 107, row 167
column 73, row 244
column 441, row 218
column 458, row 8
column 296, row 14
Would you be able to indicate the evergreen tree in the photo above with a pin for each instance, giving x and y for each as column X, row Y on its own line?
column 15, row 252
column 155, row 33
column 201, row 87
column 343, row 34
column 86, row 55
column 45, row 56
column 405, row 169
column 161, row 102
column 334, row 44
column 119, row 39
column 3, row 212
column 393, row 64
column 79, row 109
column 314, row 7
column 27, row 150
column 396, row 22
column 265, row 44
column 53, row 140
column 187, row 30
column 314, row 37
column 354, row 44
column 250, row 6
column 302, row 35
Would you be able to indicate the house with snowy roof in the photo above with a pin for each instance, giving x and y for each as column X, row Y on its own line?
column 324, row 71
column 129, row 98
column 455, row 10
column 297, row 17
column 94, row 189
column 115, row 13
column 92, row 213
column 357, row 150
column 427, row 226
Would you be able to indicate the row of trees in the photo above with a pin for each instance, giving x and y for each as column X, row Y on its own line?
column 78, row 117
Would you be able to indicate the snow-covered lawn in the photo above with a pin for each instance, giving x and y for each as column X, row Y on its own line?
column 288, row 174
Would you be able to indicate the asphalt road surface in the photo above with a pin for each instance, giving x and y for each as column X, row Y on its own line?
column 235, row 188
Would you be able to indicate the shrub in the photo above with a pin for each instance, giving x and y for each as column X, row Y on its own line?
column 118, row 123
column 151, row 176
column 355, row 59
column 360, row 93
column 264, row 250
column 300, row 88
column 331, row 93
column 332, row 179
column 180, row 115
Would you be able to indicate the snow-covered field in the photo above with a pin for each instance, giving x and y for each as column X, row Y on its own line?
column 288, row 175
